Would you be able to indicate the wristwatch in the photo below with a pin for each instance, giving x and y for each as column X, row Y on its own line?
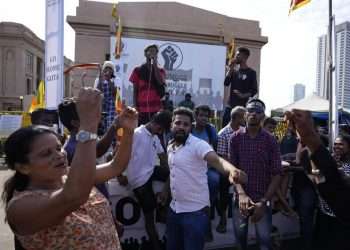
column 84, row 136
column 265, row 201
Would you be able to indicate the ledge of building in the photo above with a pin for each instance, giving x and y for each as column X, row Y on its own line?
column 164, row 20
column 11, row 30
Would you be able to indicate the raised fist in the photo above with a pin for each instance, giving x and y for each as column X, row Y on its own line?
column 170, row 56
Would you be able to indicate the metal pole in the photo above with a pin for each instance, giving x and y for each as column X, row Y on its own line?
column 330, row 76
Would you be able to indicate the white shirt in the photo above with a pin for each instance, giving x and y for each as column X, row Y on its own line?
column 145, row 148
column 188, row 175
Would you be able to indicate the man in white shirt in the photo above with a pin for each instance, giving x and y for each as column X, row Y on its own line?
column 188, row 157
column 141, row 170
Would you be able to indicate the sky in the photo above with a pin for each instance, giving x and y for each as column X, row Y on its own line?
column 289, row 57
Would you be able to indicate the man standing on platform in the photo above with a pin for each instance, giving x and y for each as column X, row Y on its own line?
column 241, row 81
column 149, row 85
column 106, row 85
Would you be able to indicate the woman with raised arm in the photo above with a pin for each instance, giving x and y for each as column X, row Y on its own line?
column 51, row 206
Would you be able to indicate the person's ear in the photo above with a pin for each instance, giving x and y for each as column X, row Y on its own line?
column 22, row 168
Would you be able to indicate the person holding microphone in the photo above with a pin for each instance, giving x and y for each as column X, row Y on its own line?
column 241, row 82
column 149, row 85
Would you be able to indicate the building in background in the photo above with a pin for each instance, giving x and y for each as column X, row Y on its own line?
column 321, row 74
column 299, row 92
column 342, row 62
column 22, row 56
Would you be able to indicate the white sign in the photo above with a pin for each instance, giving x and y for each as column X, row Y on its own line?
column 9, row 124
column 198, row 69
column 127, row 210
column 54, row 60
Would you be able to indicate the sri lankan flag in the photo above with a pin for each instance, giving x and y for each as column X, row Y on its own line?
column 295, row 4
column 118, row 33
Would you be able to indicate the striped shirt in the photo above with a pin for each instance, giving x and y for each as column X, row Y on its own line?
column 259, row 158
column 224, row 137
column 108, row 103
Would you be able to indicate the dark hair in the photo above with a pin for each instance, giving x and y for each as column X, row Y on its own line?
column 183, row 111
column 16, row 148
column 151, row 46
column 38, row 114
column 270, row 120
column 162, row 118
column 203, row 108
column 256, row 100
column 344, row 137
column 67, row 112
column 244, row 50
column 188, row 95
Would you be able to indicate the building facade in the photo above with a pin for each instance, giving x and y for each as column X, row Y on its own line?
column 342, row 63
column 321, row 74
column 299, row 92
column 22, row 56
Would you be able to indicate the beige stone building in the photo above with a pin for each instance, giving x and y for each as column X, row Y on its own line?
column 22, row 56
column 169, row 21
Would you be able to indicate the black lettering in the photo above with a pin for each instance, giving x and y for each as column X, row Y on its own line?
column 119, row 211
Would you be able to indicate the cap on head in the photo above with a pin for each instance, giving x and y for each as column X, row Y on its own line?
column 108, row 64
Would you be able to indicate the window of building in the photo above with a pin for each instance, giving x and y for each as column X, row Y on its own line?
column 29, row 63
column 39, row 68
column 29, row 87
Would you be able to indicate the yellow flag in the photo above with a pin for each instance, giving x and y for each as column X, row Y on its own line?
column 39, row 100
column 295, row 4
column 118, row 101
column 40, row 96
column 231, row 51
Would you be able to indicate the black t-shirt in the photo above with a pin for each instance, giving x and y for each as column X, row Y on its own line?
column 243, row 80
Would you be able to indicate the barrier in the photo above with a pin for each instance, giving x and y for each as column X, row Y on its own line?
column 127, row 211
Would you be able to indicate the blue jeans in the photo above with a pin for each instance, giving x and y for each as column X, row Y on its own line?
column 305, row 199
column 262, row 229
column 186, row 231
column 214, row 185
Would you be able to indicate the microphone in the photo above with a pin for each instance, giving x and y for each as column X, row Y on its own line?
column 152, row 60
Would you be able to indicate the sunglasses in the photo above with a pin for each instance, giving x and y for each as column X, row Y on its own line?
column 256, row 110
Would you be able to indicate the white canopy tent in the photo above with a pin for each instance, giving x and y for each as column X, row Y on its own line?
column 312, row 103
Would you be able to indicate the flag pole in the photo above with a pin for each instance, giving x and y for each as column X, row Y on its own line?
column 330, row 75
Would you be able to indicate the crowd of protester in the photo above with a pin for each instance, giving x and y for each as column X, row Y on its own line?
column 57, row 197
